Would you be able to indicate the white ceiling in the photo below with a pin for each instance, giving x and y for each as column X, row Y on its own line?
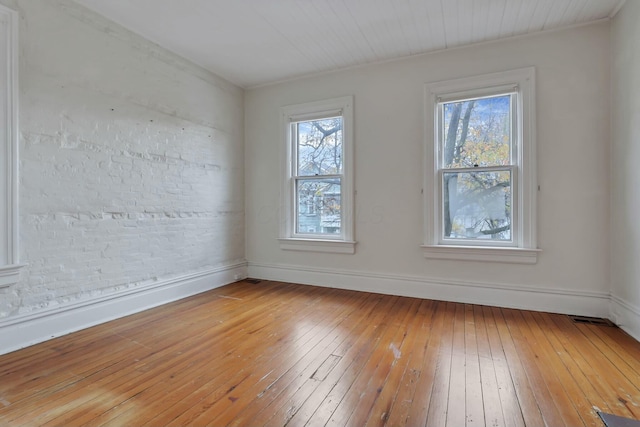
column 254, row 42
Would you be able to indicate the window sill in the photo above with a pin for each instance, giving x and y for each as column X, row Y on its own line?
column 9, row 275
column 313, row 245
column 481, row 253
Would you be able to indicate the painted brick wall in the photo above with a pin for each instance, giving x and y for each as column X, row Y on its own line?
column 131, row 161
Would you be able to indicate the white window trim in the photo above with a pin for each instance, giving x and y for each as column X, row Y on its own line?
column 289, row 240
column 317, row 245
column 524, row 251
column 9, row 262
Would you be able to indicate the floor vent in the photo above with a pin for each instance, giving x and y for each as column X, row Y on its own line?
column 592, row 320
column 253, row 281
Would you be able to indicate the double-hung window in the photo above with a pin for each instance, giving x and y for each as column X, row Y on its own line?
column 318, row 185
column 480, row 181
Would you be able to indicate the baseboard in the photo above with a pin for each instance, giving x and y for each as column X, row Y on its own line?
column 626, row 316
column 552, row 300
column 22, row 331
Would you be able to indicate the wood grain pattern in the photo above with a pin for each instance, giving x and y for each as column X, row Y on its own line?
column 279, row 354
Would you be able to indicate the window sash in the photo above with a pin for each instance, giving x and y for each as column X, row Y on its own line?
column 296, row 178
column 479, row 93
column 315, row 115
column 295, row 146
column 514, row 214
column 440, row 136
column 318, row 210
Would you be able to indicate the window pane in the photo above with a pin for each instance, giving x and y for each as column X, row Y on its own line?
column 477, row 205
column 477, row 132
column 320, row 147
column 318, row 206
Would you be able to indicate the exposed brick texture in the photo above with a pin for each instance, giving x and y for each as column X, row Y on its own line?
column 131, row 160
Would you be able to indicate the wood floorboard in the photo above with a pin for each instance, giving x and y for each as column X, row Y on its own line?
column 278, row 405
column 508, row 398
column 590, row 363
column 525, row 399
column 491, row 399
column 318, row 406
column 268, row 366
column 382, row 385
column 419, row 402
column 545, row 397
column 570, row 400
column 399, row 413
column 456, row 400
column 216, row 367
column 441, row 366
column 575, row 396
column 602, row 360
column 575, row 364
column 280, row 354
column 125, row 379
column 308, row 358
column 475, row 408
column 340, row 401
column 403, row 360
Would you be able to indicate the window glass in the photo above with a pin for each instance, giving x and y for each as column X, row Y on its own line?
column 477, row 132
column 319, row 146
column 477, row 205
column 318, row 202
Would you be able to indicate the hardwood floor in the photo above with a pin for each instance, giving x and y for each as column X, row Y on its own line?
column 281, row 354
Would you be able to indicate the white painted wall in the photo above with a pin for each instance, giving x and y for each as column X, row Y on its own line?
column 131, row 163
column 625, row 169
column 572, row 273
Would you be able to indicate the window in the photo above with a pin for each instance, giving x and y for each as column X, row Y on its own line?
column 9, row 266
column 318, row 185
column 480, row 183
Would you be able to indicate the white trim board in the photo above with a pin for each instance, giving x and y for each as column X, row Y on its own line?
column 22, row 331
column 564, row 301
column 626, row 316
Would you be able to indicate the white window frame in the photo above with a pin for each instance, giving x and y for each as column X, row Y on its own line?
column 289, row 238
column 9, row 262
column 522, row 248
